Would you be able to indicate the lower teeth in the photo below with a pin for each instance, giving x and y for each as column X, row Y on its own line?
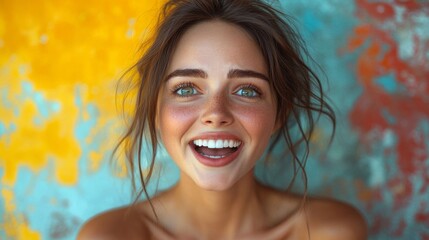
column 214, row 157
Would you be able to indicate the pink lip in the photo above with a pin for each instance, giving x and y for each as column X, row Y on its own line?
column 219, row 162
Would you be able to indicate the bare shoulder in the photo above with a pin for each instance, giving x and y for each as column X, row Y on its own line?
column 332, row 219
column 315, row 218
column 120, row 223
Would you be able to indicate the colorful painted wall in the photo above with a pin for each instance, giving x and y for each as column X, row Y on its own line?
column 60, row 61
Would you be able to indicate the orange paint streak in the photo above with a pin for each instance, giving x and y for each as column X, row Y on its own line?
column 367, row 64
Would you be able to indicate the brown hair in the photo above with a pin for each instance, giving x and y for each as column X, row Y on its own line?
column 297, row 88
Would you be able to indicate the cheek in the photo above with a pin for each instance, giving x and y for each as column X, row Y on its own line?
column 259, row 120
column 174, row 119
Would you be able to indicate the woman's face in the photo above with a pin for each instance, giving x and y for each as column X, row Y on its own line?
column 216, row 111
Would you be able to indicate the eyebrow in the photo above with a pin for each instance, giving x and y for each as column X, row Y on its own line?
column 233, row 73
column 239, row 73
column 187, row 72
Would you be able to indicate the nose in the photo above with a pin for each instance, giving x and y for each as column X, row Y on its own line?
column 217, row 112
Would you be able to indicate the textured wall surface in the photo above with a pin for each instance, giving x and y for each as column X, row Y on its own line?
column 59, row 63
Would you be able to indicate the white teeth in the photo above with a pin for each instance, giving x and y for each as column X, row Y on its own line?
column 219, row 144
column 211, row 143
column 214, row 157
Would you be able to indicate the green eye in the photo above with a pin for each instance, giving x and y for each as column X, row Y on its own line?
column 248, row 92
column 186, row 91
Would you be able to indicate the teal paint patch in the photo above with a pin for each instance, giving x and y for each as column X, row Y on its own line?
column 41, row 104
column 388, row 116
column 378, row 171
column 390, row 139
column 56, row 107
column 12, row 128
column 424, row 125
column 6, row 131
column 422, row 22
column 47, row 198
column 4, row 99
column 83, row 127
column 1, row 186
column 45, row 107
column 2, row 129
column 388, row 83
column 27, row 91
column 27, row 88
column 311, row 21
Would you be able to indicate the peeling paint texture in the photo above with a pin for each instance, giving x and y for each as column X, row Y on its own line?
column 59, row 65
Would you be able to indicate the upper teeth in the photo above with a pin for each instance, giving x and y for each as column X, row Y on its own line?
column 210, row 143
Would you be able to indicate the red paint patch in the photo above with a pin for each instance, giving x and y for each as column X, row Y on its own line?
column 401, row 190
column 422, row 218
column 411, row 5
column 377, row 44
column 425, row 236
column 379, row 11
column 411, row 146
column 425, row 186
column 381, row 57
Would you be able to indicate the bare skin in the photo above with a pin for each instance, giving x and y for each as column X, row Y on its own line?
column 205, row 98
column 255, row 214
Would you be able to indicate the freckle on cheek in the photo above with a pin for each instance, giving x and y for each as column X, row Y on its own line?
column 258, row 117
column 179, row 112
column 176, row 117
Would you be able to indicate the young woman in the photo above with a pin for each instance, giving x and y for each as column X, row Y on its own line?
column 223, row 82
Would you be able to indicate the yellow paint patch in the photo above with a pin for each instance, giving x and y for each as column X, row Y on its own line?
column 95, row 161
column 58, row 48
column 8, row 197
column 26, row 233
column 30, row 145
column 63, row 46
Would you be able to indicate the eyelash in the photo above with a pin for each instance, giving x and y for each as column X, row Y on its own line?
column 182, row 85
column 253, row 87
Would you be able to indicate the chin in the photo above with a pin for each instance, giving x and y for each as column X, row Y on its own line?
column 214, row 183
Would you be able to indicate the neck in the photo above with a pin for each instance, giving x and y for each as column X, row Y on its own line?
column 220, row 214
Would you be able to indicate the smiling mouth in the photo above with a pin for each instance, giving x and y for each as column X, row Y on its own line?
column 215, row 149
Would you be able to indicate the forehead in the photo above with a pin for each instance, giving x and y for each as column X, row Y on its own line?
column 217, row 44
